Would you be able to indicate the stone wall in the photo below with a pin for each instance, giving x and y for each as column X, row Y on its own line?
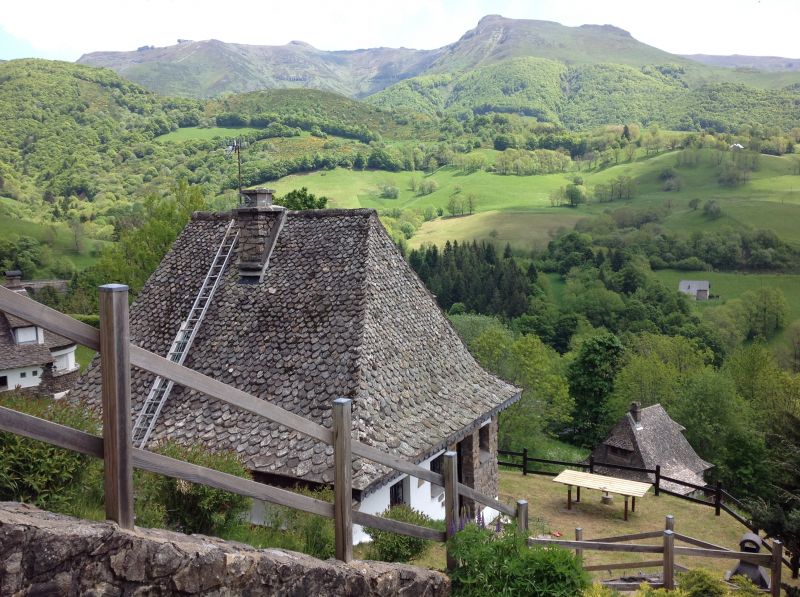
column 57, row 383
column 479, row 464
column 50, row 554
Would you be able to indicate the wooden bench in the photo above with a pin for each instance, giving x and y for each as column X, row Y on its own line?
column 624, row 487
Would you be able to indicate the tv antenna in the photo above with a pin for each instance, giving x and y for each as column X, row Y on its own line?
column 236, row 146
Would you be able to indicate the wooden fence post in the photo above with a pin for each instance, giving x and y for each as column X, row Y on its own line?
column 115, row 369
column 343, row 479
column 669, row 522
column 524, row 461
column 522, row 516
column 451, row 511
column 591, row 463
column 669, row 560
column 795, row 560
column 658, row 479
column 718, row 498
column 776, row 567
column 578, row 537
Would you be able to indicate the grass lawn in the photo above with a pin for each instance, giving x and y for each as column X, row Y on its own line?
column 193, row 133
column 548, row 513
column 84, row 356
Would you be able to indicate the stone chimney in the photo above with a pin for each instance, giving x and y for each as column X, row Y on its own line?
column 636, row 411
column 13, row 279
column 259, row 224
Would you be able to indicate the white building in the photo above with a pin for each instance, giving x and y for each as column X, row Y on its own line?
column 31, row 357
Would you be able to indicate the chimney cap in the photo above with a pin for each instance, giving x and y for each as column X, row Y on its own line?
column 259, row 197
column 635, row 410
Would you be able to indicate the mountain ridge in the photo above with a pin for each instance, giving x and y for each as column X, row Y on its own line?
column 210, row 68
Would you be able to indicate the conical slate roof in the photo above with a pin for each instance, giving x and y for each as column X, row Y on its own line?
column 338, row 314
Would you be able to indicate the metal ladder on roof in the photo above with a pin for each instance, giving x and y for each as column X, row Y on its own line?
column 159, row 392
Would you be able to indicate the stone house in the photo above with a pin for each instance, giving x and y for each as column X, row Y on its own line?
column 312, row 306
column 646, row 437
column 697, row 289
column 32, row 358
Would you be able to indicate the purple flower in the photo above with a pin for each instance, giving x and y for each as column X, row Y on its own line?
column 452, row 528
column 497, row 527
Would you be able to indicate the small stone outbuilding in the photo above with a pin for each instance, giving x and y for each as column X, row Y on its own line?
column 316, row 305
column 697, row 289
column 646, row 437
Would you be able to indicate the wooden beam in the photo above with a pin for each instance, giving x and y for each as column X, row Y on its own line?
column 669, row 560
column 49, row 319
column 469, row 492
column 450, row 468
column 163, row 465
column 756, row 558
column 395, row 526
column 233, row 396
column 625, row 566
column 669, row 522
column 115, row 368
column 596, row 546
column 776, row 567
column 343, row 479
column 52, row 433
column 631, row 537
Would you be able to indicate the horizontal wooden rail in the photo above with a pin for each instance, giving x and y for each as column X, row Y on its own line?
column 469, row 492
column 510, row 453
column 52, row 433
column 688, row 498
column 633, row 537
column 396, row 526
column 624, row 467
column 86, row 443
column 686, row 483
column 511, row 464
column 698, row 552
column 697, row 542
column 625, row 566
column 597, row 546
column 49, row 319
column 740, row 518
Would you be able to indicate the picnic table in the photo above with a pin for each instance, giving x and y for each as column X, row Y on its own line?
column 624, row 487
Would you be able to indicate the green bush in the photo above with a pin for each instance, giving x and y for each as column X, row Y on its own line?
column 391, row 547
column 312, row 534
column 491, row 563
column 701, row 583
column 36, row 472
column 190, row 507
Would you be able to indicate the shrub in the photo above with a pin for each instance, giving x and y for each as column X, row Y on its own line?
column 190, row 507
column 501, row 563
column 37, row 472
column 391, row 547
column 701, row 583
column 389, row 191
column 312, row 534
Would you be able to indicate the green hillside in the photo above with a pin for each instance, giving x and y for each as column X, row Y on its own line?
column 591, row 95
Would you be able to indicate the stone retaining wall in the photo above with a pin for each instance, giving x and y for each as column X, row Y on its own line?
column 50, row 554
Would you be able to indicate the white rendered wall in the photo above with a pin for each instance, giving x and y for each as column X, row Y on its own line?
column 64, row 359
column 15, row 377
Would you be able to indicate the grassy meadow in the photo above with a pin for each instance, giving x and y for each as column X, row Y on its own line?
column 517, row 209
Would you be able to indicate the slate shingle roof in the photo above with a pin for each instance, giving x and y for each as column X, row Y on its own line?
column 13, row 355
column 656, row 439
column 338, row 313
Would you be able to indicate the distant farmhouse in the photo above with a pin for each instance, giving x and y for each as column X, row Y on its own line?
column 697, row 289
column 644, row 438
column 32, row 358
column 300, row 308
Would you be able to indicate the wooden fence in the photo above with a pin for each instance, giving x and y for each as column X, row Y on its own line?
column 117, row 355
column 668, row 550
column 719, row 498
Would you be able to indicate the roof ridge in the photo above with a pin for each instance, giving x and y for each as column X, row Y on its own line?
column 304, row 213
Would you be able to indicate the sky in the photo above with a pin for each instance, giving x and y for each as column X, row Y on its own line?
column 66, row 29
